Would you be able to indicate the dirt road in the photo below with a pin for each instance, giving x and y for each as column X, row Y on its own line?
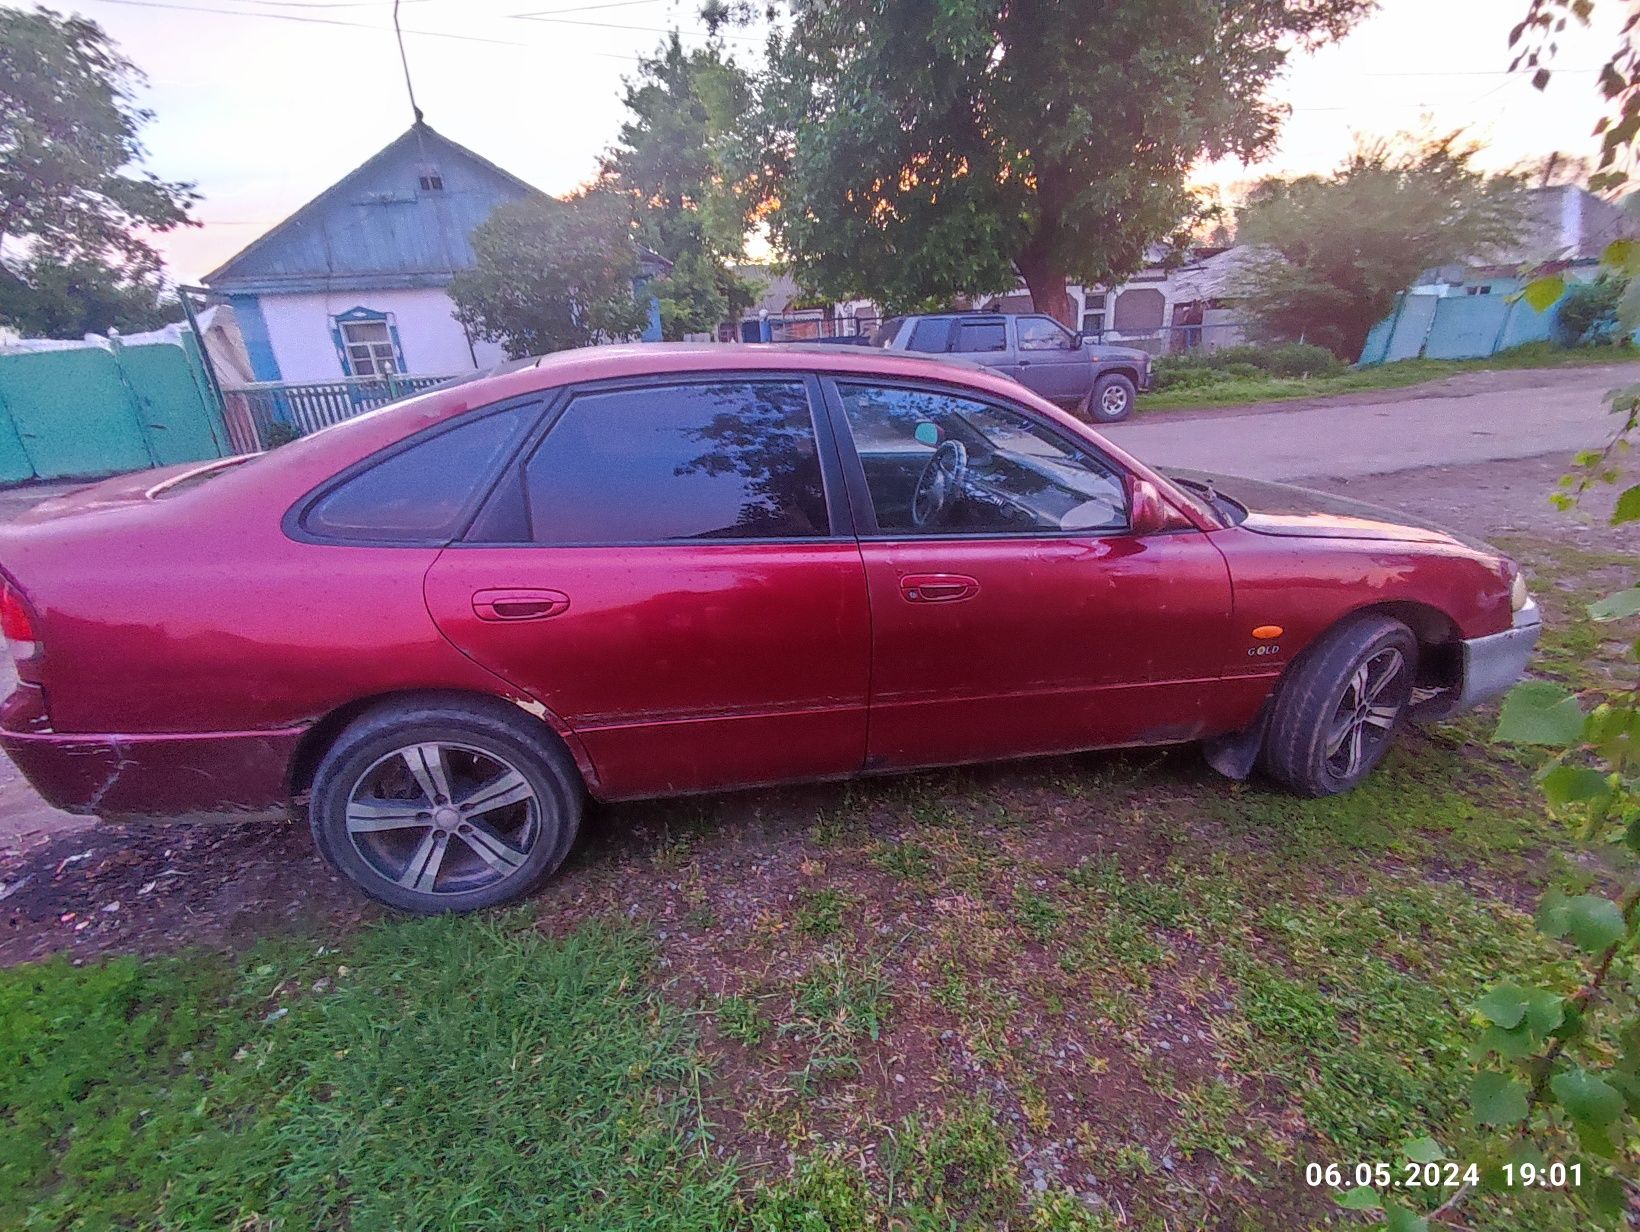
column 1475, row 417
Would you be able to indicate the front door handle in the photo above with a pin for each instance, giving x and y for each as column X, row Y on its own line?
column 937, row 587
column 519, row 604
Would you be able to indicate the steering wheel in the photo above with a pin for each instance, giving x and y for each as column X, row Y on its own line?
column 940, row 484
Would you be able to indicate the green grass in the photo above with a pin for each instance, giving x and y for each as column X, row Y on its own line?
column 1239, row 391
column 452, row 1073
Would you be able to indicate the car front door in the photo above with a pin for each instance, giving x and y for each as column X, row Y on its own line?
column 1013, row 611
column 1050, row 361
column 668, row 568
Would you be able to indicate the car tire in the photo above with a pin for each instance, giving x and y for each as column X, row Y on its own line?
column 1338, row 708
column 1110, row 400
column 445, row 807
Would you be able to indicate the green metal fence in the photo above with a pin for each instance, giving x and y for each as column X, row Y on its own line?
column 83, row 410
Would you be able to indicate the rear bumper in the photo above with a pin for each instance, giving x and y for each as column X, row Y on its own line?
column 1491, row 665
column 172, row 777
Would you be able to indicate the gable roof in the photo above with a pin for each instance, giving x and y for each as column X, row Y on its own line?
column 378, row 227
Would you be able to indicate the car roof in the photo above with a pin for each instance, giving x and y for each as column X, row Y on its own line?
column 664, row 358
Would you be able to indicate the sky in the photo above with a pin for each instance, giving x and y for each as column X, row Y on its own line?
column 265, row 103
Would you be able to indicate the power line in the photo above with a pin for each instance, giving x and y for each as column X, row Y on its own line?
column 609, row 25
column 352, row 25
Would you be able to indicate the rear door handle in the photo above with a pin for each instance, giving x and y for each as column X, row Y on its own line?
column 519, row 604
column 937, row 587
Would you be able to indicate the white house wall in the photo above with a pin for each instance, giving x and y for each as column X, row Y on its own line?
column 433, row 343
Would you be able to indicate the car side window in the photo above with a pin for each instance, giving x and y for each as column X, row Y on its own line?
column 421, row 493
column 979, row 336
column 710, row 460
column 930, row 336
column 1044, row 334
column 939, row 463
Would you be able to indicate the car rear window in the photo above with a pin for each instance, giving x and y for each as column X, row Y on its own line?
column 709, row 460
column 930, row 335
column 420, row 493
column 980, row 336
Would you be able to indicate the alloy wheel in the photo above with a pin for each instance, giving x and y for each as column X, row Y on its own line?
column 441, row 818
column 1367, row 711
column 1114, row 400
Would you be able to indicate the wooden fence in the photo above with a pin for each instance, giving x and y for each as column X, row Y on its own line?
column 303, row 407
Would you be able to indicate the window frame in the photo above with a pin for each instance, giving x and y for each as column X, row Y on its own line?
column 294, row 521
column 832, row 478
column 866, row 527
column 954, row 344
column 360, row 315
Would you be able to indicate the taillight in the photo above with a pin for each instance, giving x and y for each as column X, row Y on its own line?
column 17, row 624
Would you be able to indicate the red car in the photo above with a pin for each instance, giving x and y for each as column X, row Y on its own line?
column 434, row 630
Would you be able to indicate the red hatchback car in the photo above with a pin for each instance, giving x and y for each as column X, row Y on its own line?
column 636, row 571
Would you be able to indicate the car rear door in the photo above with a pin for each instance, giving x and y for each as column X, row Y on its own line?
column 669, row 570
column 1027, row 618
column 1050, row 361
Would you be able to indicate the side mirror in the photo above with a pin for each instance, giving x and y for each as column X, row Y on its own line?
column 1148, row 513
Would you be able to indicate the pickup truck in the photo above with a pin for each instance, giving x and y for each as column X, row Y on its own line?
column 1098, row 382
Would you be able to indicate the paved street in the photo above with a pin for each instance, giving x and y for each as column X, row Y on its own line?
column 1476, row 417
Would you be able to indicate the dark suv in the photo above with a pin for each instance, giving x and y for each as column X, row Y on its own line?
column 1098, row 382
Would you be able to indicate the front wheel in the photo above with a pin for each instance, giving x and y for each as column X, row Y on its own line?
column 1339, row 708
column 1111, row 399
column 436, row 808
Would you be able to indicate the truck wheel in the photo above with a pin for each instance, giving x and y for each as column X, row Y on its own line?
column 1339, row 707
column 1110, row 400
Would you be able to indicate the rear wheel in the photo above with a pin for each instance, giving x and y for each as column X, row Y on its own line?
column 1339, row 708
column 1111, row 399
column 434, row 808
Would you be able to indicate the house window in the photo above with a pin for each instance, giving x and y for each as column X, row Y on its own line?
column 1483, row 290
column 1093, row 321
column 431, row 180
column 368, row 349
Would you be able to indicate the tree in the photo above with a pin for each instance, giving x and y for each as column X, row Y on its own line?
column 920, row 151
column 1329, row 254
column 550, row 275
column 74, row 210
column 45, row 299
column 679, row 163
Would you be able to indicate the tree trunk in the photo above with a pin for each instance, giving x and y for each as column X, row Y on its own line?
column 1046, row 280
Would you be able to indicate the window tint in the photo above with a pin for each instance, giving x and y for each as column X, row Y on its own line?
column 420, row 493
column 1044, row 334
column 930, row 335
column 887, row 332
column 730, row 459
column 936, row 463
column 980, row 336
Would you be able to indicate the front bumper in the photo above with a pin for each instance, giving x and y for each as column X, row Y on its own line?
column 1491, row 665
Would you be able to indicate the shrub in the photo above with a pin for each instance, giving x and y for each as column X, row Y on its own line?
column 1588, row 311
column 1194, row 369
column 279, row 433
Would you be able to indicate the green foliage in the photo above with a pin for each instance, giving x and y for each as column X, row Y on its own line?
column 549, row 275
column 434, row 1070
column 914, row 154
column 1331, row 253
column 1588, row 310
column 1196, row 369
column 74, row 208
column 681, row 164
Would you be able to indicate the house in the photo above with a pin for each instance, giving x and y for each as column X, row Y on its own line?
column 1567, row 228
column 1166, row 306
column 1473, row 309
column 783, row 313
column 356, row 282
